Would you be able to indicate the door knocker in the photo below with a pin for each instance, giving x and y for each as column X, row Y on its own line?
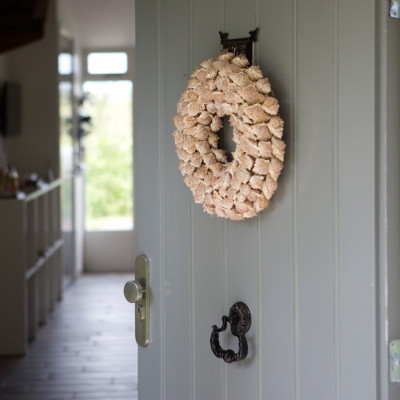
column 240, row 321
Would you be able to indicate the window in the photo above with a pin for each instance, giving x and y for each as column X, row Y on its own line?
column 65, row 63
column 108, row 156
column 105, row 63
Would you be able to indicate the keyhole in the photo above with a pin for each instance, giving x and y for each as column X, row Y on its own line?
column 226, row 137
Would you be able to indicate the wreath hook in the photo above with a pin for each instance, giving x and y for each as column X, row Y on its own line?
column 240, row 46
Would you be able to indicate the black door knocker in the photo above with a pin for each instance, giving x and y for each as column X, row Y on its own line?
column 240, row 320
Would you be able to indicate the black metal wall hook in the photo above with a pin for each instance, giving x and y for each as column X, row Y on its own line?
column 240, row 45
column 240, row 321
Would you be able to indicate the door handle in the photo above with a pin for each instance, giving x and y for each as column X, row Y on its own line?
column 138, row 292
column 240, row 321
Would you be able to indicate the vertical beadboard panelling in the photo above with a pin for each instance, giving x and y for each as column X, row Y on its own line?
column 208, row 279
column 208, row 233
column 314, row 217
column 356, row 171
column 177, row 311
column 318, row 339
column 238, row 17
column 242, row 283
column 242, row 239
column 148, row 208
column 335, row 200
column 390, row 163
column 387, row 193
column 276, row 342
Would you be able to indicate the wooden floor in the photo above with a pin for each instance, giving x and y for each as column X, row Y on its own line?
column 86, row 351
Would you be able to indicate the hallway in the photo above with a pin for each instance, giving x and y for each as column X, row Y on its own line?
column 86, row 351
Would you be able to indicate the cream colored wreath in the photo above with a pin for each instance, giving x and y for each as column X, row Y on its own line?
column 241, row 188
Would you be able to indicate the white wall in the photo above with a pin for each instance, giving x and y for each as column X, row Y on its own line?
column 104, row 23
column 3, row 78
column 3, row 67
column 34, row 66
column 3, row 159
column 112, row 251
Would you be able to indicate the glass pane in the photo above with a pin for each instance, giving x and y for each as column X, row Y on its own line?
column 108, row 156
column 65, row 64
column 107, row 63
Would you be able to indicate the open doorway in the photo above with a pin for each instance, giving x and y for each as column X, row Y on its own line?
column 104, row 43
column 108, row 157
column 87, row 348
column 108, row 160
column 104, row 38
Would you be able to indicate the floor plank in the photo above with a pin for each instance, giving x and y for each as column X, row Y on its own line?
column 87, row 350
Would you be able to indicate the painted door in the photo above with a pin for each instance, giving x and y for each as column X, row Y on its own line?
column 306, row 265
column 67, row 156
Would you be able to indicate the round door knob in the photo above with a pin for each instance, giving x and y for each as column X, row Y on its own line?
column 133, row 291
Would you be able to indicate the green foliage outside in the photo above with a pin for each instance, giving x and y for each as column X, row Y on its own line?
column 108, row 156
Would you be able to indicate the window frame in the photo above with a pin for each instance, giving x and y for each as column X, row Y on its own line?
column 128, row 76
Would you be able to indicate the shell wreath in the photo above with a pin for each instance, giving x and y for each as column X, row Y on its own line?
column 220, row 86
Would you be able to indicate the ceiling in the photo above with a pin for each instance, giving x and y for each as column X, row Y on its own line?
column 104, row 23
